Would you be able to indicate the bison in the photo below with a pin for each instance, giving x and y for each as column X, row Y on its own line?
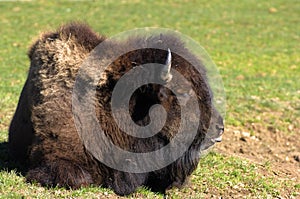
column 44, row 137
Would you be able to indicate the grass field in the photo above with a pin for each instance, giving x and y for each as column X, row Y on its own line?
column 255, row 45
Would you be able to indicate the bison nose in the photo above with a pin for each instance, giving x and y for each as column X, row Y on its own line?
column 220, row 129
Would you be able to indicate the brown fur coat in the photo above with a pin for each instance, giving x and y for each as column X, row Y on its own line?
column 43, row 136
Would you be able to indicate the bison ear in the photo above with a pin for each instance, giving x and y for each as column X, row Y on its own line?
column 166, row 70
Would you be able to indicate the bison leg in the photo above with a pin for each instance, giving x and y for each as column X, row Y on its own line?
column 125, row 183
column 60, row 173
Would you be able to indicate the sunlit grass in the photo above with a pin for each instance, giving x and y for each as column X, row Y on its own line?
column 255, row 45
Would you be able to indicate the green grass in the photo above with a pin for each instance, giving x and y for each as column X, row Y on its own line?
column 216, row 175
column 255, row 47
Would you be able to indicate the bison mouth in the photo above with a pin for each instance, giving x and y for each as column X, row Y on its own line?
column 220, row 130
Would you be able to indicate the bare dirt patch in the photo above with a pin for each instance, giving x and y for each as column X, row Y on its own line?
column 276, row 151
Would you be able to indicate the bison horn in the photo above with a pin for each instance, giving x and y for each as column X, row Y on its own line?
column 165, row 73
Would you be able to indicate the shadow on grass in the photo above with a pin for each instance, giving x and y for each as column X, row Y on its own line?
column 4, row 156
column 6, row 163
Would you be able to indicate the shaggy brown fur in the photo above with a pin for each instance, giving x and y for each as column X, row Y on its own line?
column 43, row 136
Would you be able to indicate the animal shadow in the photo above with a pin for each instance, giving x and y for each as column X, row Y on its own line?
column 6, row 163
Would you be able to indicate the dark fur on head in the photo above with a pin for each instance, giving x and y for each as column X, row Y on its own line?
column 42, row 133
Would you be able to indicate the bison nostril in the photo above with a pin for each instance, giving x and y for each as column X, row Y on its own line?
column 220, row 128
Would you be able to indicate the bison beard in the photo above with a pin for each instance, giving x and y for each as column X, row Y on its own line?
column 42, row 133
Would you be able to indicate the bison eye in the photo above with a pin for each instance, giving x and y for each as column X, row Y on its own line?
column 162, row 94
